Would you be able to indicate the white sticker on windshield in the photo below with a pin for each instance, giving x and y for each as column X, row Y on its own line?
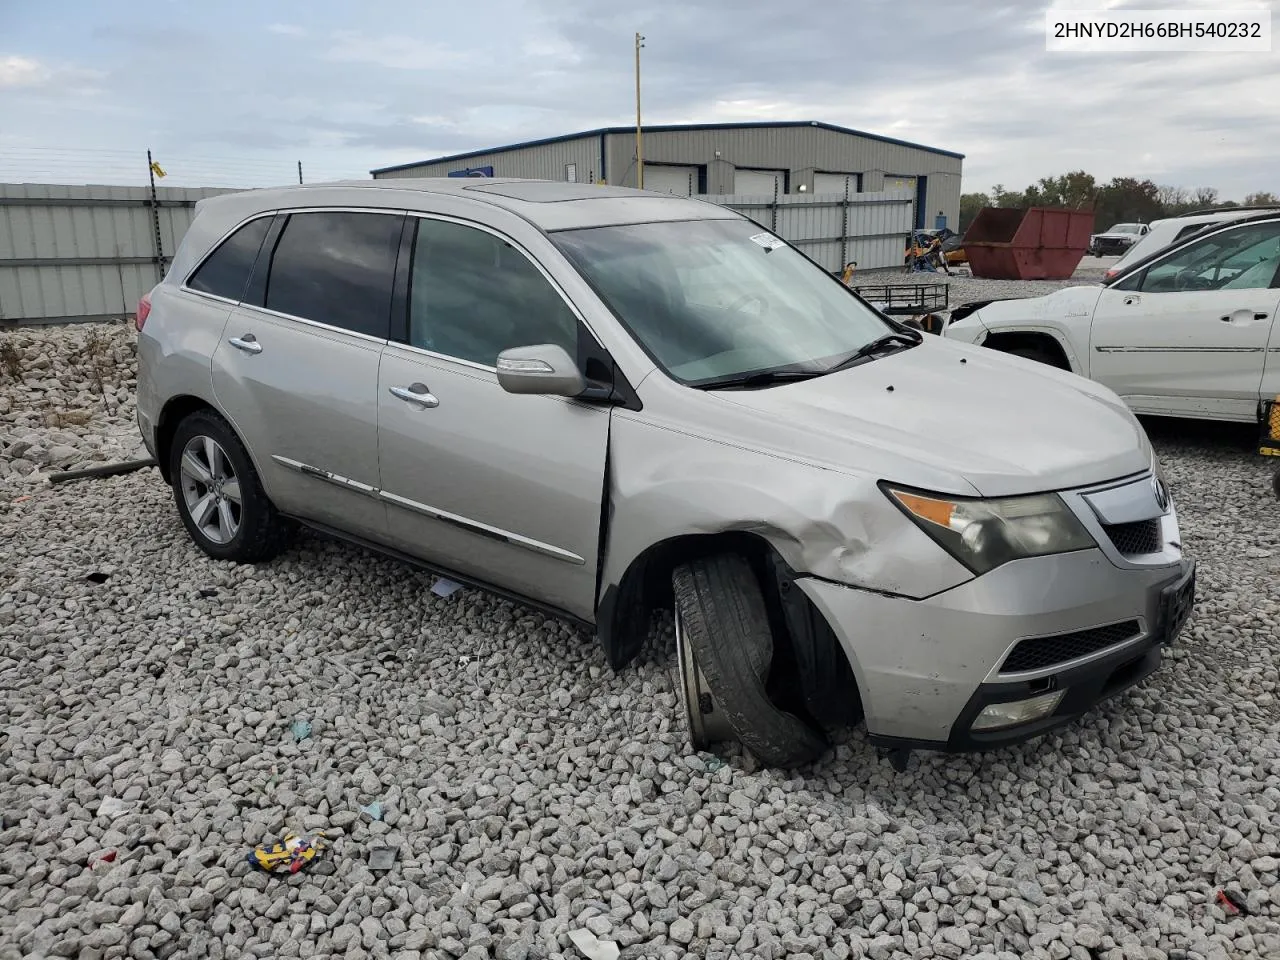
column 767, row 240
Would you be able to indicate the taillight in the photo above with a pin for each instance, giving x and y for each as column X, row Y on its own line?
column 144, row 308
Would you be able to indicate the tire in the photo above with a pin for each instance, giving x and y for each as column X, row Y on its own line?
column 1038, row 354
column 248, row 532
column 726, row 624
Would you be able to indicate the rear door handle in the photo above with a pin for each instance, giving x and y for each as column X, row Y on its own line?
column 416, row 393
column 248, row 343
column 1236, row 317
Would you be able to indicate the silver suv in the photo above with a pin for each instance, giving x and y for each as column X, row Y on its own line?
column 603, row 402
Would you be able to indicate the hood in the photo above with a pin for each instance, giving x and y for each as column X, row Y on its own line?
column 997, row 424
column 1060, row 305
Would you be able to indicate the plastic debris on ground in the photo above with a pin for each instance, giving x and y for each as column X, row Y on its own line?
column 301, row 729
column 445, row 588
column 373, row 810
column 592, row 948
column 293, row 853
column 1231, row 902
column 382, row 858
column 108, row 856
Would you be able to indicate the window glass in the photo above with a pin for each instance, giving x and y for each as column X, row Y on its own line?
column 1241, row 259
column 710, row 299
column 473, row 295
column 226, row 271
column 336, row 268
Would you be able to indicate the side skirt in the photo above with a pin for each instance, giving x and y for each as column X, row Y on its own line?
column 409, row 559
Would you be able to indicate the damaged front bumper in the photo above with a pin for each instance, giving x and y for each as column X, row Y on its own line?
column 1063, row 632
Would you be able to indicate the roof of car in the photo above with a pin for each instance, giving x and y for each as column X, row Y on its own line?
column 549, row 204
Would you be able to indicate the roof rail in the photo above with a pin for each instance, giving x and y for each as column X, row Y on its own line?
column 1226, row 209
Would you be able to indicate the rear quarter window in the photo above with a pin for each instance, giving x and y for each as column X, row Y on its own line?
column 226, row 271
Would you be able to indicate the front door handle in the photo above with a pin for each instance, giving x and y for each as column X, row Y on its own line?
column 1241, row 315
column 416, row 393
column 248, row 343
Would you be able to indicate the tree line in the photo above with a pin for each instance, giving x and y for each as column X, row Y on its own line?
column 1122, row 200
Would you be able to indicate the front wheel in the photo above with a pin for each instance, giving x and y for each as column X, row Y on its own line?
column 218, row 494
column 726, row 648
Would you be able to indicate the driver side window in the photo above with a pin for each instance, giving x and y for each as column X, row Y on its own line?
column 1246, row 258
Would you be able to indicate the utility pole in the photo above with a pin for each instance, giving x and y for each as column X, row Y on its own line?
column 299, row 171
column 639, row 150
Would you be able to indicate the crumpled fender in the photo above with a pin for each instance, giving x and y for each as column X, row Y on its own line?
column 836, row 525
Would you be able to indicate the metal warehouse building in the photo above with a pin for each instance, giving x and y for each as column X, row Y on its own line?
column 724, row 160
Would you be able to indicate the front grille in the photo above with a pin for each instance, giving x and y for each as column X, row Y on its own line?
column 1132, row 539
column 1040, row 653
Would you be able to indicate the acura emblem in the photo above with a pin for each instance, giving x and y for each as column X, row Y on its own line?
column 1162, row 494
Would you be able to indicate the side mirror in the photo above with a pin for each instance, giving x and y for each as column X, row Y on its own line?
column 542, row 369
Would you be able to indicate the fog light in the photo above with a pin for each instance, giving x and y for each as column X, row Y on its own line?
column 996, row 716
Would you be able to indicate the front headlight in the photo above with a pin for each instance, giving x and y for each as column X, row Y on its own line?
column 983, row 534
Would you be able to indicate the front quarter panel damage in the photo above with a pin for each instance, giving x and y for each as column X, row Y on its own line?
column 838, row 526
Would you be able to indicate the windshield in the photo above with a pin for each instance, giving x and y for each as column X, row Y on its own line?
column 709, row 299
column 1125, row 228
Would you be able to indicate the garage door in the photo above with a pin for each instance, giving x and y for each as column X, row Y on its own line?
column 835, row 183
column 757, row 183
column 682, row 181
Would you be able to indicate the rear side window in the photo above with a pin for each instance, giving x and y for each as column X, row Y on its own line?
column 336, row 268
column 226, row 271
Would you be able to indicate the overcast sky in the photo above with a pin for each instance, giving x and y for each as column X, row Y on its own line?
column 234, row 92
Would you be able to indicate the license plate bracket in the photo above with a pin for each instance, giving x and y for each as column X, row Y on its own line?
column 1176, row 603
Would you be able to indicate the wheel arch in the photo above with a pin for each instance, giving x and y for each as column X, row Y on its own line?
column 178, row 408
column 626, row 609
column 1046, row 340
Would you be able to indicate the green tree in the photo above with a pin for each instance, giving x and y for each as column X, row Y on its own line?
column 970, row 205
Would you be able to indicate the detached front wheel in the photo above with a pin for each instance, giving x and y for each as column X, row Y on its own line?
column 726, row 647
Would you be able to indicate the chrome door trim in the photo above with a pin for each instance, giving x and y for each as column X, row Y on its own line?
column 484, row 529
column 320, row 474
column 474, row 526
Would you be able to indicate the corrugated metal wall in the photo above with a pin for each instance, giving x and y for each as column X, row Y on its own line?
column 545, row 162
column 802, row 152
column 870, row 228
column 84, row 253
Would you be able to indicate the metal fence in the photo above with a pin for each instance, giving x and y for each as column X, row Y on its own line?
column 869, row 228
column 75, row 253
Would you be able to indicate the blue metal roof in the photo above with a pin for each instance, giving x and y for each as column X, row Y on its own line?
column 669, row 128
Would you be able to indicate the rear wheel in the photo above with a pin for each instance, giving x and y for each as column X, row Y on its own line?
column 726, row 650
column 218, row 494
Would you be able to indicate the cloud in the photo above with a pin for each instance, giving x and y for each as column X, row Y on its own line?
column 18, row 71
column 970, row 75
column 396, row 52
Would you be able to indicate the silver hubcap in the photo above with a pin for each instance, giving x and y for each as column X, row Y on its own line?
column 211, row 489
column 707, row 724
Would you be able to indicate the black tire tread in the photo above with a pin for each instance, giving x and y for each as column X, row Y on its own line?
column 727, row 625
column 263, row 531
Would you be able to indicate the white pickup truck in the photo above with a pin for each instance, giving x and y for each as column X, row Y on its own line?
column 1189, row 331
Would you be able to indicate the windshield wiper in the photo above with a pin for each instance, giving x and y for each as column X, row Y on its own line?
column 762, row 379
column 880, row 343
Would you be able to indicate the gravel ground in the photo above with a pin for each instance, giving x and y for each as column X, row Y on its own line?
column 528, row 792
